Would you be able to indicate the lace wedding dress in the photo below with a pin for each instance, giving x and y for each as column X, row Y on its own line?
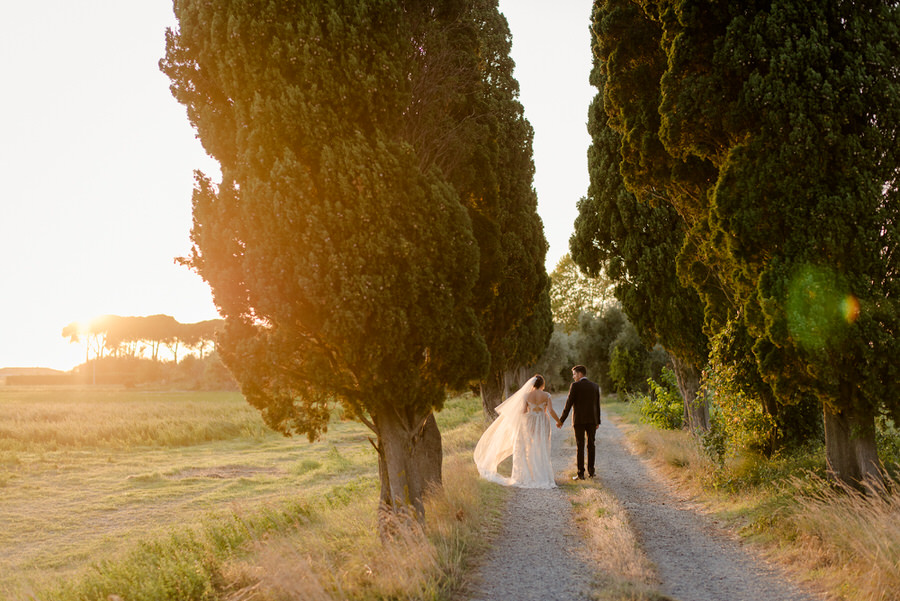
column 522, row 430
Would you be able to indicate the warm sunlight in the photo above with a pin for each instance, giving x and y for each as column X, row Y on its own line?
column 402, row 398
column 98, row 159
column 97, row 165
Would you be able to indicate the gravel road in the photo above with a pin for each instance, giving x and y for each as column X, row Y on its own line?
column 533, row 558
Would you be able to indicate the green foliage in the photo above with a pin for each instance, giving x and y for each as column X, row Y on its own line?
column 746, row 416
column 770, row 129
column 476, row 134
column 608, row 345
column 743, row 419
column 623, row 367
column 555, row 364
column 573, row 293
column 631, row 363
column 343, row 262
column 714, row 442
column 663, row 407
column 887, row 435
column 748, row 471
column 594, row 342
column 179, row 568
column 625, row 226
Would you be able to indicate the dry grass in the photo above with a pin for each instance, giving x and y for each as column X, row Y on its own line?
column 245, row 513
column 626, row 573
column 832, row 537
column 341, row 557
column 34, row 420
column 853, row 538
column 65, row 509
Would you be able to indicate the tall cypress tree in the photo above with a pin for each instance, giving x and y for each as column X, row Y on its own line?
column 513, row 292
column 627, row 223
column 630, row 46
column 467, row 121
column 797, row 104
column 341, row 259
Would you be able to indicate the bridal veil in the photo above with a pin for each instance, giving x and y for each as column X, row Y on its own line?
column 497, row 442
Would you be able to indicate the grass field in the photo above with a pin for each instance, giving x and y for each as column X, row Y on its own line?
column 90, row 475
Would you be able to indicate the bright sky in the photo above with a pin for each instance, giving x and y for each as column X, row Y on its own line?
column 97, row 160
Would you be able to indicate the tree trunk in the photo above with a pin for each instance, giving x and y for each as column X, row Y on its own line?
column 518, row 377
column 402, row 485
column 771, row 408
column 429, row 454
column 850, row 450
column 493, row 391
column 696, row 408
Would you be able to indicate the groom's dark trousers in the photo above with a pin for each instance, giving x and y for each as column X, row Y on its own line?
column 584, row 402
column 581, row 432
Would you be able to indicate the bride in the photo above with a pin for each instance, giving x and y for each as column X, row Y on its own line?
column 522, row 430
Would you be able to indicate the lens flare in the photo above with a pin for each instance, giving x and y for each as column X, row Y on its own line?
column 850, row 307
column 819, row 307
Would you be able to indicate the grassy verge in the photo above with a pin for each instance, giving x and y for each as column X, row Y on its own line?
column 837, row 539
column 207, row 504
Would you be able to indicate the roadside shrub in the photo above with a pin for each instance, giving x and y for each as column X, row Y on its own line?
column 624, row 368
column 631, row 363
column 714, row 442
column 752, row 417
column 887, row 437
column 663, row 407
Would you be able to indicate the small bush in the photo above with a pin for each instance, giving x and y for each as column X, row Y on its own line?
column 887, row 437
column 714, row 442
column 663, row 407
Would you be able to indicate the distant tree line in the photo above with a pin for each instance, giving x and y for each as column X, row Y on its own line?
column 592, row 329
column 134, row 336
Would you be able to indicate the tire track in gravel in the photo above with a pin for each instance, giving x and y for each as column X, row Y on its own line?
column 695, row 559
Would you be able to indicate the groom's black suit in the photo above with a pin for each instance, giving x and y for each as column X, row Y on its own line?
column 584, row 398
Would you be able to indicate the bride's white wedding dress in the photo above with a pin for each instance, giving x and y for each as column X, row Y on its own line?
column 522, row 429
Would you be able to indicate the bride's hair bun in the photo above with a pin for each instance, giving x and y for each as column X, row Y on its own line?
column 538, row 380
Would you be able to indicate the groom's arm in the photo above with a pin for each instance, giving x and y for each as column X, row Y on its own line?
column 569, row 400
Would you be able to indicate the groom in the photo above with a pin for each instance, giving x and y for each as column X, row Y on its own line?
column 584, row 397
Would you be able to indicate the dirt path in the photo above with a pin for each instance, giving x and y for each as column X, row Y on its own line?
column 695, row 559
column 533, row 557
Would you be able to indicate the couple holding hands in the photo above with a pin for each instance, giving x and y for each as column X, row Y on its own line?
column 523, row 428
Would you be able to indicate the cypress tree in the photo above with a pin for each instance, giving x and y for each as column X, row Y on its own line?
column 512, row 294
column 797, row 104
column 340, row 257
column 628, row 224
column 466, row 121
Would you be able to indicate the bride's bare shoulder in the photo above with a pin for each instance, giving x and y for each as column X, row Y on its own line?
column 538, row 396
